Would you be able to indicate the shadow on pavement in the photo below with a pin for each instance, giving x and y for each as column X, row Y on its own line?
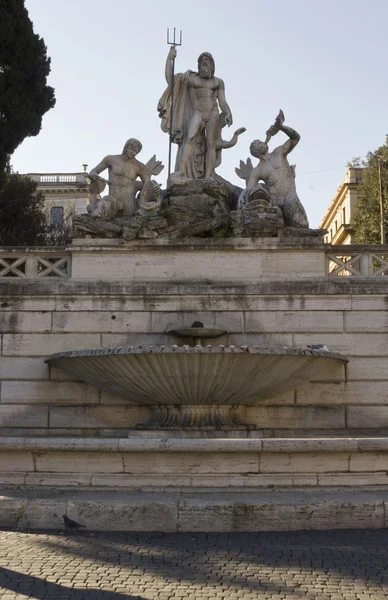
column 40, row 589
column 252, row 561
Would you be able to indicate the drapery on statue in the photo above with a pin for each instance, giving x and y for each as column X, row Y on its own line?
column 196, row 121
column 276, row 172
column 124, row 170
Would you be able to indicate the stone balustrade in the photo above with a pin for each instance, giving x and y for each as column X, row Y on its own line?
column 61, row 179
column 340, row 261
column 357, row 261
column 34, row 264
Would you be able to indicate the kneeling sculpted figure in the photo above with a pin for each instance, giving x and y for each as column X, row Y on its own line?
column 124, row 170
column 276, row 172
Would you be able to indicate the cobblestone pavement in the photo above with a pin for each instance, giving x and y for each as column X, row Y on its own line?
column 329, row 565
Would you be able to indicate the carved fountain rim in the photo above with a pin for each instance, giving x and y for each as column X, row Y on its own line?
column 198, row 349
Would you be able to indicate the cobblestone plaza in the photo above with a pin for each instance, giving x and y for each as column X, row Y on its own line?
column 325, row 565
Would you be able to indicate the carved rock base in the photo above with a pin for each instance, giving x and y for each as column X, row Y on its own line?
column 257, row 219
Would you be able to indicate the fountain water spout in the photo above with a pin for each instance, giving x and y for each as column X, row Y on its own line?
column 198, row 332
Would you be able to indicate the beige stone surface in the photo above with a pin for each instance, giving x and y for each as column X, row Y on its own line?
column 16, row 461
column 113, row 340
column 12, row 479
column 23, row 416
column 28, row 303
column 367, row 320
column 134, row 513
column 197, row 481
column 369, row 462
column 270, row 514
column 19, row 322
column 189, row 463
column 294, row 321
column 320, row 393
column 233, row 511
column 104, row 322
column 59, row 480
column 113, row 399
column 82, row 462
column 48, row 392
column 258, row 339
column 11, row 509
column 369, row 302
column 306, row 445
column 297, row 302
column 350, row 392
column 373, row 369
column 353, row 480
column 208, row 302
column 367, row 416
column 198, row 266
column 23, row 368
column 45, row 514
column 30, row 344
column 373, row 444
column 310, row 462
column 141, row 481
column 97, row 416
column 298, row 417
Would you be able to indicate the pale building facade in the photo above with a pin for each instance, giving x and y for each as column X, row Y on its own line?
column 66, row 195
column 342, row 210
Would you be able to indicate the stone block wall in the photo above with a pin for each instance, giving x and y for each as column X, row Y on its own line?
column 41, row 316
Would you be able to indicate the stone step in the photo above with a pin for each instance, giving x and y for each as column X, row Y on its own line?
column 214, row 511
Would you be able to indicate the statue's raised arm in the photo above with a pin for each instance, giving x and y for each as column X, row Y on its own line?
column 275, row 171
column 169, row 62
column 292, row 134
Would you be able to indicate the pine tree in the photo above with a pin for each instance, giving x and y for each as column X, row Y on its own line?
column 367, row 220
column 24, row 67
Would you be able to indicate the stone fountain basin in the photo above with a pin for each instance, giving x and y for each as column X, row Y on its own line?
column 203, row 375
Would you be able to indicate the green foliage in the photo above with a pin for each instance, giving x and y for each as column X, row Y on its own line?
column 24, row 67
column 367, row 220
column 22, row 217
column 355, row 162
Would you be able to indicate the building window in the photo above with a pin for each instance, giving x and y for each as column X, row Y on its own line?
column 336, row 225
column 344, row 215
column 57, row 216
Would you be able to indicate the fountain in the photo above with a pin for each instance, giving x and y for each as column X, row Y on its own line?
column 195, row 387
column 139, row 421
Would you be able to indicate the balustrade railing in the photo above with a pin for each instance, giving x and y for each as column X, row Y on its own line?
column 357, row 261
column 341, row 261
column 36, row 264
column 59, row 178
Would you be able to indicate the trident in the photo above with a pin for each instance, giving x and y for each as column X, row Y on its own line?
column 173, row 42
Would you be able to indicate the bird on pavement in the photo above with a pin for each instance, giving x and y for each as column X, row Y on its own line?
column 70, row 524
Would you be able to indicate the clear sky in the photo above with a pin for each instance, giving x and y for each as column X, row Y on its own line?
column 324, row 62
